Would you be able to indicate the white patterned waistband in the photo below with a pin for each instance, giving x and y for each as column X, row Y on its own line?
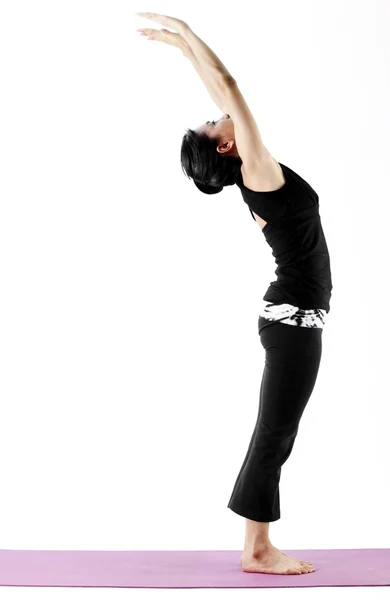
column 293, row 315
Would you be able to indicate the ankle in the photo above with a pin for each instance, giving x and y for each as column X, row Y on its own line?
column 257, row 549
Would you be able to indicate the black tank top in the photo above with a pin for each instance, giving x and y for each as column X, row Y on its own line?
column 294, row 233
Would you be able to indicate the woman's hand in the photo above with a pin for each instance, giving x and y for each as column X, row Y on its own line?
column 168, row 37
column 164, row 35
column 177, row 24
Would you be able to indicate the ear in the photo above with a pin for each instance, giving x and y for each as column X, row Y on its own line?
column 226, row 147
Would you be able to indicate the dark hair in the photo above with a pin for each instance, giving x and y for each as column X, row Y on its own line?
column 209, row 169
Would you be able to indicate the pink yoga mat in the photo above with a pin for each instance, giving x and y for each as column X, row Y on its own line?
column 186, row 569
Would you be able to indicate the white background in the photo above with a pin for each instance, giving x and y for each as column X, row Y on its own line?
column 130, row 357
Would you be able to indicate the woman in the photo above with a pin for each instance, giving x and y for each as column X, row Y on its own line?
column 230, row 151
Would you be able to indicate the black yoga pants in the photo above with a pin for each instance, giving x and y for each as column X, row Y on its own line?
column 292, row 360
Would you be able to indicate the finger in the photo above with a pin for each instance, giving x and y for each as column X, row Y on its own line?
column 144, row 31
column 149, row 15
column 161, row 19
column 152, row 34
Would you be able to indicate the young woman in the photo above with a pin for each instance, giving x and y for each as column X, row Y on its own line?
column 230, row 151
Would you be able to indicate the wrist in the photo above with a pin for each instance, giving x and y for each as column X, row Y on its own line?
column 185, row 48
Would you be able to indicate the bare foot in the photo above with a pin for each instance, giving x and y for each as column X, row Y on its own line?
column 306, row 562
column 274, row 561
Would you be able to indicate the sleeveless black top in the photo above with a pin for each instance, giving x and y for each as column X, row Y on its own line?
column 294, row 233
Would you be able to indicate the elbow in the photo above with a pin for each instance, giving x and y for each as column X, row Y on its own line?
column 228, row 80
column 226, row 85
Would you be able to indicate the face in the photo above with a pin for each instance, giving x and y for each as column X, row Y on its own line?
column 223, row 129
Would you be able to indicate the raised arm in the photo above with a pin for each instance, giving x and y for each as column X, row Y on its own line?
column 224, row 90
column 221, row 85
column 211, row 70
